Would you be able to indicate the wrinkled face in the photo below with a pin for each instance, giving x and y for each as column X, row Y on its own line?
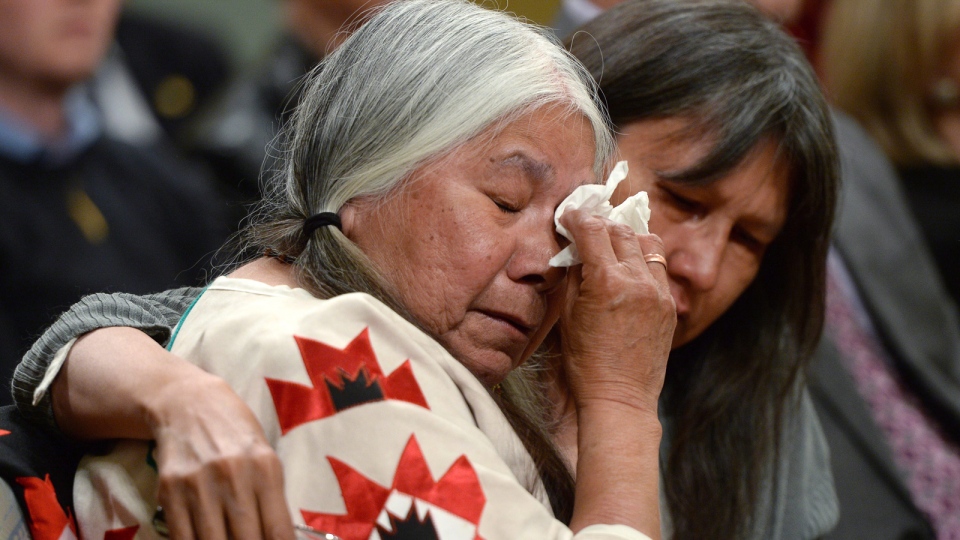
column 715, row 234
column 54, row 42
column 466, row 241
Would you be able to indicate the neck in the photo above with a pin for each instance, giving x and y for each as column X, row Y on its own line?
column 316, row 25
column 267, row 270
column 35, row 104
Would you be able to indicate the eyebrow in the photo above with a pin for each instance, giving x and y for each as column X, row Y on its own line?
column 537, row 169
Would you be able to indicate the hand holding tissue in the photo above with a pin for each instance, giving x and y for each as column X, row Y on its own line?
column 595, row 200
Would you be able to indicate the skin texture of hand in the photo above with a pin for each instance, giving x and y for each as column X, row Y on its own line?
column 618, row 323
column 616, row 332
column 218, row 475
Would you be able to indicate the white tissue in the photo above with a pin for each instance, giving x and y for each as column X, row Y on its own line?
column 595, row 200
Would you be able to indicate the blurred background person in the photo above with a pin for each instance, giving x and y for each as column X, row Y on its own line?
column 894, row 65
column 573, row 13
column 77, row 207
column 887, row 379
column 234, row 136
column 886, row 376
column 157, row 76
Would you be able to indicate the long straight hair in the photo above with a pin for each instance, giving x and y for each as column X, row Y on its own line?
column 418, row 79
column 739, row 80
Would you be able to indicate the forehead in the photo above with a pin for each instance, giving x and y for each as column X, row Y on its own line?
column 549, row 144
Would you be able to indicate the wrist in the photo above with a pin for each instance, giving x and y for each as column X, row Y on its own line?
column 625, row 396
column 165, row 403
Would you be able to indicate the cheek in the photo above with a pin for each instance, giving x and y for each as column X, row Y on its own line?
column 440, row 274
column 20, row 42
column 735, row 276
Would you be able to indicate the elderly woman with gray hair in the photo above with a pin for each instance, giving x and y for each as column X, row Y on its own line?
column 407, row 240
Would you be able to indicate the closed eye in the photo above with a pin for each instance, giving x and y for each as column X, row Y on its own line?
column 681, row 202
column 748, row 240
column 506, row 208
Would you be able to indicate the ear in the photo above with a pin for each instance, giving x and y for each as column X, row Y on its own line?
column 349, row 220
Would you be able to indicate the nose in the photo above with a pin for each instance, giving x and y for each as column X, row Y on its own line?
column 530, row 262
column 695, row 253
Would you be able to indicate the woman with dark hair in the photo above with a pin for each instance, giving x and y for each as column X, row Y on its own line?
column 723, row 123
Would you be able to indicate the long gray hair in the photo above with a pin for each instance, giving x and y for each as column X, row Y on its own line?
column 419, row 78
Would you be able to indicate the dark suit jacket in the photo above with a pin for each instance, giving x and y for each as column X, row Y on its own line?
column 918, row 324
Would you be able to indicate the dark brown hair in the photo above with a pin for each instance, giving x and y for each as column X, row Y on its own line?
column 739, row 80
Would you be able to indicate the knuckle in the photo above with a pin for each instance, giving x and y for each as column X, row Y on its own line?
column 170, row 483
column 226, row 467
column 589, row 224
column 620, row 230
column 650, row 239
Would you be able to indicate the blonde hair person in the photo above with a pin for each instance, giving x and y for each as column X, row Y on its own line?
column 895, row 66
column 888, row 63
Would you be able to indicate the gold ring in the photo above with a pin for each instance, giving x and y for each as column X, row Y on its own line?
column 655, row 258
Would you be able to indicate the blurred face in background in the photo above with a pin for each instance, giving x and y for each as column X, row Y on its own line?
column 54, row 42
column 782, row 11
column 945, row 97
column 715, row 232
column 320, row 25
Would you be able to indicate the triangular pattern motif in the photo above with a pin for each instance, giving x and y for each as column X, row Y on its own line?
column 457, row 491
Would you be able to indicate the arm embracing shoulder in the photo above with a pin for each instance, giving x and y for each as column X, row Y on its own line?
column 377, row 426
column 155, row 315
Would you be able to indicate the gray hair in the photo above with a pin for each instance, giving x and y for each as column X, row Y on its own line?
column 419, row 78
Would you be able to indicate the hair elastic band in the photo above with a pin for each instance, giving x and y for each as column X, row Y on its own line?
column 322, row 219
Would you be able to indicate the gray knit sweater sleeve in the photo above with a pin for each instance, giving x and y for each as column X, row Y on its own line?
column 155, row 314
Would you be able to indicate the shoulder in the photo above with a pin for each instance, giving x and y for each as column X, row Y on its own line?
column 347, row 348
column 251, row 311
column 805, row 501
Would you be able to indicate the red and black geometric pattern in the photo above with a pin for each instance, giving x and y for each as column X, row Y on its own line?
column 341, row 378
column 457, row 491
column 39, row 467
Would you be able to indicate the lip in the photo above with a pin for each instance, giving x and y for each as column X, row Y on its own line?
column 518, row 323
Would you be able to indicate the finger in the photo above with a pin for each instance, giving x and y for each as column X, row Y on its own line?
column 591, row 236
column 243, row 514
column 178, row 519
column 626, row 245
column 207, row 516
column 276, row 521
column 651, row 244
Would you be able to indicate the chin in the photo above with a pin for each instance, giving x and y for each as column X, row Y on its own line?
column 681, row 336
column 490, row 371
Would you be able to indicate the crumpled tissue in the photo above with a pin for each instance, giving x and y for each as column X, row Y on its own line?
column 595, row 200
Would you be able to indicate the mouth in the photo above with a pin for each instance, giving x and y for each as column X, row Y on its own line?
column 519, row 324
